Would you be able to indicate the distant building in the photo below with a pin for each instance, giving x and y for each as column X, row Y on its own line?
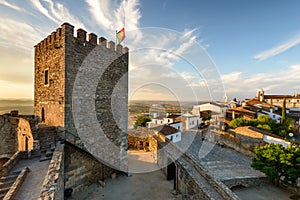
column 292, row 101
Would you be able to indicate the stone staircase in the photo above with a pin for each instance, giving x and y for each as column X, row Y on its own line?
column 47, row 136
column 6, row 182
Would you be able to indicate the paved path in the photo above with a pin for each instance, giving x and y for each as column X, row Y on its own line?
column 140, row 186
column 31, row 187
column 225, row 164
column 222, row 163
column 262, row 192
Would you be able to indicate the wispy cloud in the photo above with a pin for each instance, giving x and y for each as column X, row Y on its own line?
column 111, row 17
column 278, row 49
column 5, row 3
column 56, row 12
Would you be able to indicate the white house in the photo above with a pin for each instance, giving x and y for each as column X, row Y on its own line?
column 271, row 114
column 169, row 132
column 166, row 120
column 210, row 106
column 172, row 118
column 155, row 122
column 270, row 139
column 191, row 121
column 177, row 125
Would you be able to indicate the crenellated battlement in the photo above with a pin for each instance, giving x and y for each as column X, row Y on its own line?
column 58, row 37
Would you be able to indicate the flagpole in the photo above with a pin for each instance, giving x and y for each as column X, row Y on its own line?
column 124, row 21
column 116, row 37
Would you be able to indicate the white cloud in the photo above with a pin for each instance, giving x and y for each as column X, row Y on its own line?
column 278, row 49
column 239, row 85
column 38, row 5
column 111, row 17
column 56, row 12
column 5, row 3
column 18, row 35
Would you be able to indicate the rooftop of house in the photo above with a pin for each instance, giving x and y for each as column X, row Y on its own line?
column 175, row 123
column 173, row 116
column 241, row 109
column 165, row 130
column 212, row 103
column 280, row 96
column 259, row 103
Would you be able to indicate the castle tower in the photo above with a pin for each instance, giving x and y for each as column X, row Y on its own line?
column 58, row 61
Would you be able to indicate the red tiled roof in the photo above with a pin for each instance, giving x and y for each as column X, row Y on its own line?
column 255, row 102
column 173, row 116
column 279, row 96
column 166, row 130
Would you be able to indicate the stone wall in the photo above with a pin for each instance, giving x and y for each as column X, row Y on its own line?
column 53, row 185
column 139, row 139
column 16, row 186
column 19, row 155
column 240, row 140
column 82, row 169
column 8, row 134
column 15, row 134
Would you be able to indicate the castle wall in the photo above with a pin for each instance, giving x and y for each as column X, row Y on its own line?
column 82, row 169
column 49, row 95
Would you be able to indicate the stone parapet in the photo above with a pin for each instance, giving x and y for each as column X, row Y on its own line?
column 53, row 185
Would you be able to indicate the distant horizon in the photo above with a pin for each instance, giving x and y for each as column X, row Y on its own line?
column 250, row 44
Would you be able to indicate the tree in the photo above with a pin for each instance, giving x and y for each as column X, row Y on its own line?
column 283, row 114
column 264, row 119
column 141, row 121
column 276, row 161
column 265, row 127
column 238, row 122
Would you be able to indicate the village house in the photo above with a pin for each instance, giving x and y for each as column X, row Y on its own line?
column 169, row 132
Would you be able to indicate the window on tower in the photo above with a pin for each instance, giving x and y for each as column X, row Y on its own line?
column 46, row 79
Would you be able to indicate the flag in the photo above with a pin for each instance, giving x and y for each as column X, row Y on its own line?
column 121, row 35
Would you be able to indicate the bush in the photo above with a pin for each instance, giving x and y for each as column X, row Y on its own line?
column 264, row 127
column 264, row 119
column 237, row 123
column 253, row 122
column 141, row 121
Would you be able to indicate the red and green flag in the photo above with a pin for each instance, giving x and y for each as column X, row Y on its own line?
column 121, row 35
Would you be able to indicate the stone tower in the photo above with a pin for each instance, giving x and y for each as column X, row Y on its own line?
column 260, row 95
column 59, row 59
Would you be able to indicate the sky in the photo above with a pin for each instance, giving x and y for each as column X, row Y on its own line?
column 179, row 50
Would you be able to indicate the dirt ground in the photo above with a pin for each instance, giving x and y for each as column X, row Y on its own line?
column 146, row 182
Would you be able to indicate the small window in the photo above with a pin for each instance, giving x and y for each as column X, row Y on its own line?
column 171, row 138
column 43, row 114
column 46, row 79
column 178, row 127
